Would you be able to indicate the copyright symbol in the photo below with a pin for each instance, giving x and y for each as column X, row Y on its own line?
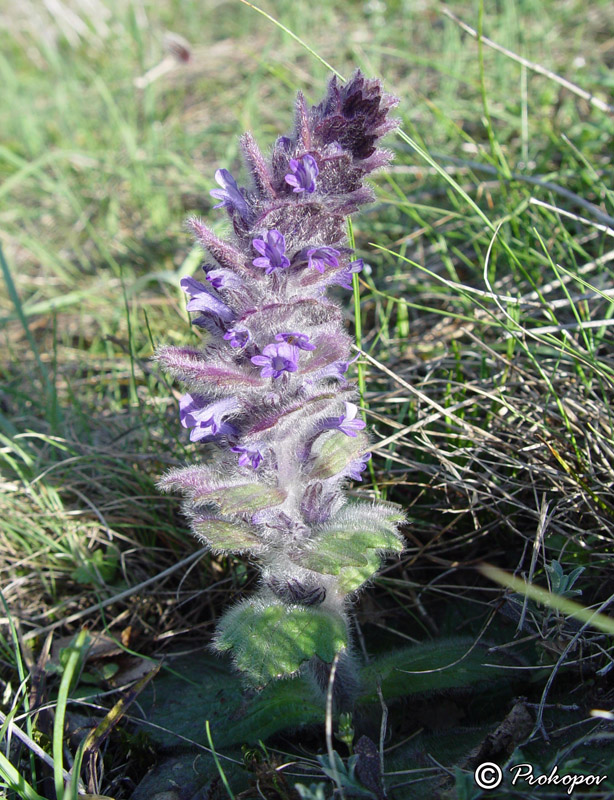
column 488, row 775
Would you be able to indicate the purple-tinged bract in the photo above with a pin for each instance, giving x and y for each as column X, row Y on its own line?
column 268, row 397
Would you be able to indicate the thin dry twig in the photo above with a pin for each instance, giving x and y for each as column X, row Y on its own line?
column 539, row 537
column 595, row 101
column 539, row 721
column 117, row 597
column 33, row 746
column 605, row 228
column 444, row 412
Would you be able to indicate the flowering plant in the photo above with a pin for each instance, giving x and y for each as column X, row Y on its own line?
column 268, row 389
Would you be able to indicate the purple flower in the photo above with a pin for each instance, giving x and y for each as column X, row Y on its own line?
column 238, row 337
column 251, row 455
column 272, row 251
column 346, row 423
column 304, row 173
column 358, row 466
column 206, row 419
column 277, row 359
column 202, row 300
column 224, row 279
column 335, row 370
column 230, row 194
column 345, row 276
column 322, row 257
column 300, row 340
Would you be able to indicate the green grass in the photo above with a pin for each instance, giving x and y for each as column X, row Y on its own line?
column 485, row 319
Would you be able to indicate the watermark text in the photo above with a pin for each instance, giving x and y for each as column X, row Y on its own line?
column 489, row 776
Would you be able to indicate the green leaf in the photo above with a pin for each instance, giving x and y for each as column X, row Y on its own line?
column 227, row 537
column 242, row 497
column 365, row 511
column 15, row 780
column 203, row 686
column 337, row 548
column 99, row 568
column 272, row 641
column 335, row 453
column 349, row 545
column 432, row 666
column 352, row 578
column 96, row 676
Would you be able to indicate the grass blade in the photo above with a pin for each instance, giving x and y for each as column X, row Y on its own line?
column 75, row 654
column 562, row 604
column 16, row 781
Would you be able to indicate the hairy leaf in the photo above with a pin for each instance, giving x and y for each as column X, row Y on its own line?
column 351, row 536
column 335, row 453
column 188, row 479
column 205, row 375
column 273, row 641
column 339, row 547
column 241, row 498
column 352, row 578
column 226, row 537
column 362, row 514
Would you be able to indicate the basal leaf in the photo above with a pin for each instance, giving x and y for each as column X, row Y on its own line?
column 203, row 686
column 433, row 666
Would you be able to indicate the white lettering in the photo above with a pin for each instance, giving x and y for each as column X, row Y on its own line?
column 518, row 767
column 554, row 777
column 524, row 772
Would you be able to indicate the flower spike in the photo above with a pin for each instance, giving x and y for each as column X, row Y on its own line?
column 268, row 398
